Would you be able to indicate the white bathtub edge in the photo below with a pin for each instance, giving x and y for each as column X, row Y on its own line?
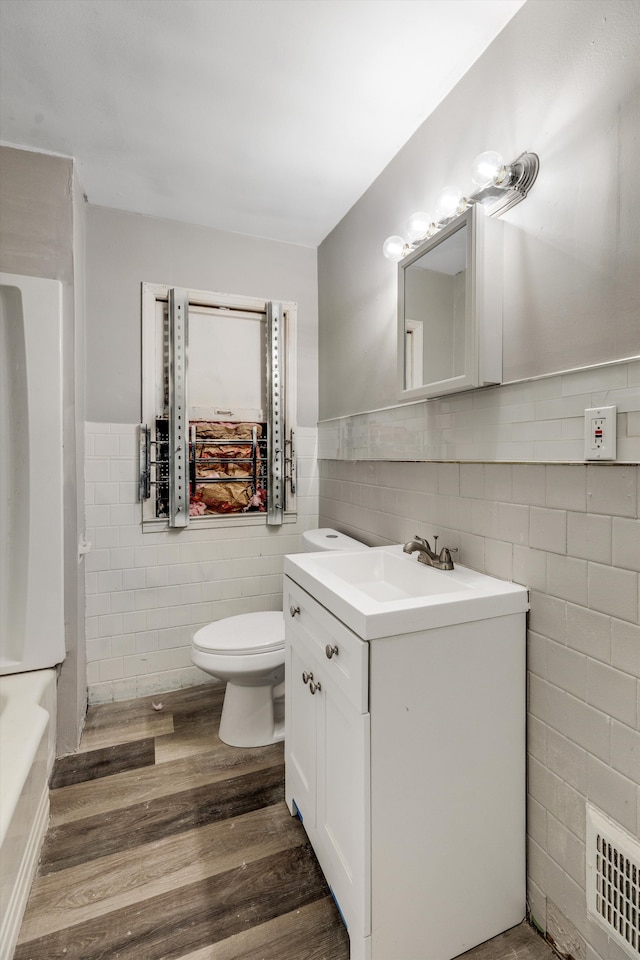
column 12, row 918
column 27, row 739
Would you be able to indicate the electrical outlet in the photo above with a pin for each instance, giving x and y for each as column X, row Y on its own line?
column 600, row 433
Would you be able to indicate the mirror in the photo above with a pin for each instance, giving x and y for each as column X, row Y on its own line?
column 450, row 309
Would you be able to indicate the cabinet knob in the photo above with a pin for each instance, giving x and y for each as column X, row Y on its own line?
column 331, row 651
column 313, row 686
column 293, row 610
column 306, row 677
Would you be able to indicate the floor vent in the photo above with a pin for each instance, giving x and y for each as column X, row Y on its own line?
column 613, row 880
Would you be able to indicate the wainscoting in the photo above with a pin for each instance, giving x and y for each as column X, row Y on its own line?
column 166, row 843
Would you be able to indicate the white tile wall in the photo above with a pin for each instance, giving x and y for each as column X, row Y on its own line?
column 537, row 420
column 146, row 593
column 571, row 533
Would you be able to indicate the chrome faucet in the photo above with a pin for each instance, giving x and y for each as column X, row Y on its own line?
column 441, row 561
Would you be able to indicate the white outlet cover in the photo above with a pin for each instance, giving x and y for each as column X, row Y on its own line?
column 600, row 433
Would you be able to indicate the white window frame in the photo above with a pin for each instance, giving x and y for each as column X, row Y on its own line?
column 152, row 293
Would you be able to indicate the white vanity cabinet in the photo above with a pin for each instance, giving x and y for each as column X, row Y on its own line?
column 405, row 758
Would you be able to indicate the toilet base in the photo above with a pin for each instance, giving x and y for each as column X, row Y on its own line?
column 248, row 718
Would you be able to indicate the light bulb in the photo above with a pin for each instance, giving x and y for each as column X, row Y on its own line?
column 448, row 202
column 488, row 167
column 393, row 248
column 418, row 226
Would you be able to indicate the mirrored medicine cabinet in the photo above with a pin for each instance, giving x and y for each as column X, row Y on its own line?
column 450, row 309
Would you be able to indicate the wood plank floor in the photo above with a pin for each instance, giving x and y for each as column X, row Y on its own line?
column 166, row 844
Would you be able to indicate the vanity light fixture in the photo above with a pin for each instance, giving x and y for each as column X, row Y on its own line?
column 488, row 167
column 418, row 226
column 394, row 248
column 499, row 186
column 449, row 203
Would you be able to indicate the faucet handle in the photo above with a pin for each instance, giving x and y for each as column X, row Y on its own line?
column 445, row 553
column 445, row 557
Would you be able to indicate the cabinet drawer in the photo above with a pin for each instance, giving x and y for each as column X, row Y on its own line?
column 344, row 657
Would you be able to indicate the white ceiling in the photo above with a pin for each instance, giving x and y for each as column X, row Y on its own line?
column 263, row 117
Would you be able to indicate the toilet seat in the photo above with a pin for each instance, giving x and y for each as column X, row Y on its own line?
column 243, row 635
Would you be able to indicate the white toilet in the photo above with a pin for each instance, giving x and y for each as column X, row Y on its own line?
column 247, row 652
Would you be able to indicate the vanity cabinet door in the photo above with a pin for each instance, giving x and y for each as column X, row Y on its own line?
column 301, row 724
column 343, row 811
column 327, row 751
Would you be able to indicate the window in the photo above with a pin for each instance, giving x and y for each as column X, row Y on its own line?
column 218, row 409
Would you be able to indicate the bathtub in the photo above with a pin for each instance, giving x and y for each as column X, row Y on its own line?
column 27, row 753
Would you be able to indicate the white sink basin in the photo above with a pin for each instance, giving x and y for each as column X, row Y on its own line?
column 383, row 592
column 384, row 575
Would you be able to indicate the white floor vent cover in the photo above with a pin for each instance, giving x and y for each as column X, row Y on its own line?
column 613, row 880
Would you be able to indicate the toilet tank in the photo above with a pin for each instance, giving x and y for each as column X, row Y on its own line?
column 327, row 539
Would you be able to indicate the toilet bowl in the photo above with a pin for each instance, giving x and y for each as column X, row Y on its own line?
column 247, row 651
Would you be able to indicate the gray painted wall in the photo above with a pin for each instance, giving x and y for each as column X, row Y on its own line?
column 36, row 228
column 562, row 80
column 124, row 249
column 41, row 235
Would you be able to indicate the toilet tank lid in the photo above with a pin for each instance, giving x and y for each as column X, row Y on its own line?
column 247, row 633
column 328, row 539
